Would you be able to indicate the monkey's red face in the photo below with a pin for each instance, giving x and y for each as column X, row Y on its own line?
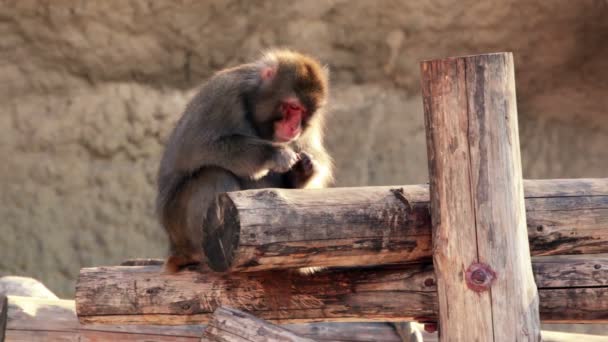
column 289, row 127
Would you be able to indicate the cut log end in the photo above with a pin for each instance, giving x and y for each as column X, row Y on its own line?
column 221, row 234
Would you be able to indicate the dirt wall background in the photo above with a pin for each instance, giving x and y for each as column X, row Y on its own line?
column 90, row 89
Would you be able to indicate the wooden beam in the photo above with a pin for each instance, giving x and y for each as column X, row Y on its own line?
column 230, row 325
column 480, row 241
column 36, row 319
column 144, row 295
column 278, row 228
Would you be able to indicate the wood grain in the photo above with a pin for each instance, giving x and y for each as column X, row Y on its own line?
column 486, row 288
column 278, row 228
column 38, row 319
column 143, row 295
column 35, row 319
column 230, row 325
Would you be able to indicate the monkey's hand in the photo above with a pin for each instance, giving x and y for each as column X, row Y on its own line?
column 283, row 159
column 302, row 171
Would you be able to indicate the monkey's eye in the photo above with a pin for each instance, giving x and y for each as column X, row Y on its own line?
column 294, row 107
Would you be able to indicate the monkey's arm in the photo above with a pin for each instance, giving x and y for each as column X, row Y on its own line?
column 242, row 155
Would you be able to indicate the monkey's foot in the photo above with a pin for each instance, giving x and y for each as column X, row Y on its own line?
column 176, row 263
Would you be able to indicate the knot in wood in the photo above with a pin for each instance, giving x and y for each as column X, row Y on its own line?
column 480, row 277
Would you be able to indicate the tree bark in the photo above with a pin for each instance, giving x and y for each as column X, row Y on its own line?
column 144, row 295
column 277, row 228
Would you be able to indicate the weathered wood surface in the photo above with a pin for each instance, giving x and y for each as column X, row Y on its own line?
column 24, row 286
column 277, row 228
column 230, row 325
column 3, row 316
column 142, row 294
column 480, row 243
column 38, row 319
column 35, row 319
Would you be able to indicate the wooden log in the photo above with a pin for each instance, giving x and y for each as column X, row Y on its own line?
column 230, row 325
column 277, row 228
column 24, row 286
column 142, row 294
column 481, row 253
column 35, row 319
column 3, row 316
column 38, row 319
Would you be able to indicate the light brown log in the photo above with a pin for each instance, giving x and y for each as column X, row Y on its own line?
column 481, row 255
column 35, row 319
column 230, row 325
column 278, row 228
column 38, row 319
column 3, row 316
column 142, row 294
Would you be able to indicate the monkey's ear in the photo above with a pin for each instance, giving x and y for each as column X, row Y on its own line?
column 268, row 73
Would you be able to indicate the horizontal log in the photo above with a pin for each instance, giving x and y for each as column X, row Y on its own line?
column 258, row 230
column 35, row 319
column 142, row 294
column 230, row 325
column 38, row 319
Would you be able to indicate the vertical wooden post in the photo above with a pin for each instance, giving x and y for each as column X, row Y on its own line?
column 482, row 260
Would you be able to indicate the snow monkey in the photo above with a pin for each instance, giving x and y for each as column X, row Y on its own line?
column 257, row 125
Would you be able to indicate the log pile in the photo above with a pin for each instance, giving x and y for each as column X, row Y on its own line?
column 572, row 289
